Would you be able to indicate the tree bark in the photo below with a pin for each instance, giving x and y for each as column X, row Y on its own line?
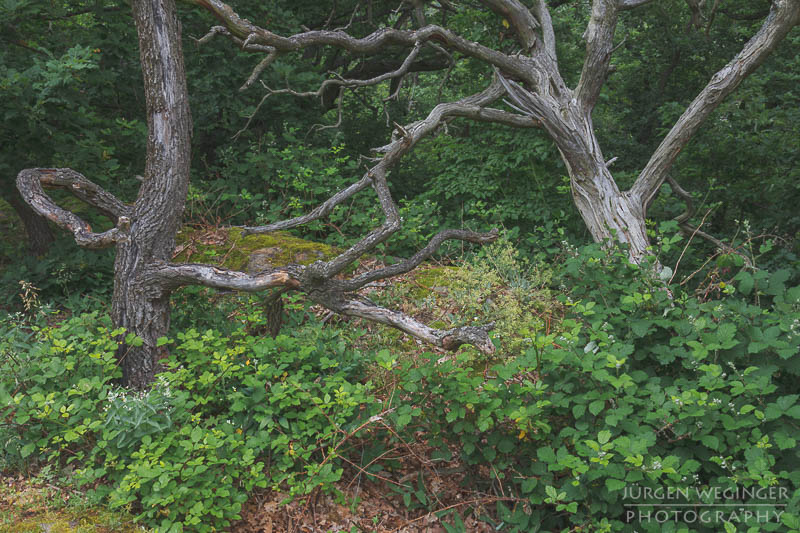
column 140, row 304
column 144, row 232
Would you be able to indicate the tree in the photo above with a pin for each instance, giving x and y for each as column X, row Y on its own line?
column 144, row 232
column 528, row 73
column 532, row 79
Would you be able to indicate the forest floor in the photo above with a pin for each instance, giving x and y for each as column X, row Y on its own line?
column 34, row 505
column 418, row 496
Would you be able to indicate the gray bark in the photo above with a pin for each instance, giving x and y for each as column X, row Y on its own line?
column 144, row 233
column 140, row 305
column 542, row 94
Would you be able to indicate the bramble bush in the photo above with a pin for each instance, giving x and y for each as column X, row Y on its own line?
column 228, row 414
column 632, row 391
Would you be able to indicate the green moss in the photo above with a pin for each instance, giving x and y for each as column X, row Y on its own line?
column 227, row 248
column 426, row 279
column 63, row 521
column 28, row 507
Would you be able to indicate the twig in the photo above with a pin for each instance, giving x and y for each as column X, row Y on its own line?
column 490, row 499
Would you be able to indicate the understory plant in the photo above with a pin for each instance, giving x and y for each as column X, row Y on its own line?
column 638, row 393
column 226, row 415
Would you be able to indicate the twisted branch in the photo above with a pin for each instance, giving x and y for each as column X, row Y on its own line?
column 689, row 230
column 319, row 280
column 250, row 35
column 30, row 183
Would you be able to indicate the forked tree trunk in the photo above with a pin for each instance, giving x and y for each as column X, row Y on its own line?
column 607, row 212
column 610, row 213
column 139, row 305
column 144, row 233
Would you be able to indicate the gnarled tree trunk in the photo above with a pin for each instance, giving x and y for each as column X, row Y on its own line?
column 139, row 304
column 144, row 233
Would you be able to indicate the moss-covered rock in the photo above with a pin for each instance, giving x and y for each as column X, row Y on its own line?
column 225, row 247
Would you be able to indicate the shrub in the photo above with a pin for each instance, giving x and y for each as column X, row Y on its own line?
column 228, row 414
column 637, row 394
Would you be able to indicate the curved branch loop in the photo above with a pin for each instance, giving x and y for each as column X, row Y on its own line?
column 30, row 184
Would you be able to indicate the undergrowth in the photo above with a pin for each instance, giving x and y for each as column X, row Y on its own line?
column 633, row 393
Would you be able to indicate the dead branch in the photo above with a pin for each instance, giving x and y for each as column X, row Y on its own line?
column 30, row 183
column 599, row 37
column 411, row 263
column 783, row 16
column 690, row 230
column 251, row 35
column 472, row 107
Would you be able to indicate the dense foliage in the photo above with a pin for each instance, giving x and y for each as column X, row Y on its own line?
column 610, row 381
column 633, row 390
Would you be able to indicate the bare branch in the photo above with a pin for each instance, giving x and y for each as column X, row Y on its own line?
column 243, row 44
column 599, row 37
column 318, row 212
column 784, row 15
column 469, row 107
column 396, row 150
column 690, row 230
column 171, row 276
column 324, row 86
column 624, row 5
column 263, row 64
column 329, row 293
column 213, row 32
column 449, row 339
column 251, row 34
column 29, row 183
column 548, row 35
column 335, row 125
column 411, row 263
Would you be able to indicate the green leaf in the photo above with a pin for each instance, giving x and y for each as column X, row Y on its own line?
column 546, row 455
column 27, row 449
column 162, row 341
column 640, row 328
column 596, row 406
column 615, row 484
column 711, row 441
column 790, row 520
column 794, row 412
column 784, row 441
column 745, row 282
